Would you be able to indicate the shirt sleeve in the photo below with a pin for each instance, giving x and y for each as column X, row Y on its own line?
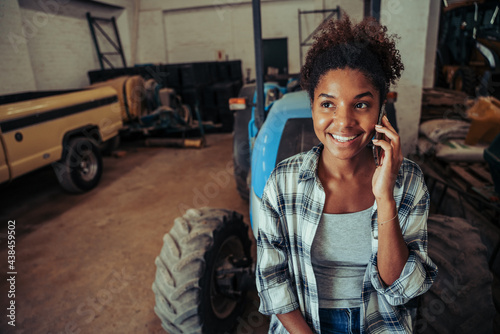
column 419, row 272
column 274, row 282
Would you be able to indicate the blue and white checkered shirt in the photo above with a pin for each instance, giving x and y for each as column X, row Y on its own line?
column 291, row 208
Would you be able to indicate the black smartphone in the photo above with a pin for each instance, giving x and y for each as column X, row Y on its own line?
column 377, row 150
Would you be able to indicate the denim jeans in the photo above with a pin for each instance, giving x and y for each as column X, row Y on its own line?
column 339, row 320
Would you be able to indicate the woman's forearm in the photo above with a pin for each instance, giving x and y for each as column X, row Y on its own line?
column 294, row 322
column 392, row 249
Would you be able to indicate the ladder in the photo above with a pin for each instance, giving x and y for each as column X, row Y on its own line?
column 94, row 23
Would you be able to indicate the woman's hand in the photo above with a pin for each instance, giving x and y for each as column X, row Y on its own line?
column 385, row 175
column 392, row 250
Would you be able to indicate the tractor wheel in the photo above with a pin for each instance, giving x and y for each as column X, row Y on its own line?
column 465, row 80
column 241, row 151
column 241, row 146
column 240, row 177
column 80, row 168
column 193, row 294
column 460, row 300
column 226, row 117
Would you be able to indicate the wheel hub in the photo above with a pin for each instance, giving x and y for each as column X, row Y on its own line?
column 224, row 292
column 88, row 166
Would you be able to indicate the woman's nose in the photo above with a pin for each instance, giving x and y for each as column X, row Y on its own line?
column 343, row 115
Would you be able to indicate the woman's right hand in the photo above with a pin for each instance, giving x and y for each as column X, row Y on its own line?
column 294, row 322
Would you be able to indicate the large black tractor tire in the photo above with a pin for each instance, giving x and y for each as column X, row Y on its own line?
column 460, row 300
column 241, row 152
column 80, row 168
column 465, row 80
column 189, row 286
column 240, row 176
column 241, row 147
column 227, row 120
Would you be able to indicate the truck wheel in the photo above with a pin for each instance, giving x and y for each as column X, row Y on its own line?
column 460, row 300
column 465, row 80
column 195, row 278
column 80, row 168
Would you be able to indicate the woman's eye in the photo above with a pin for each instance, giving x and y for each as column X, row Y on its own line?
column 326, row 104
column 361, row 105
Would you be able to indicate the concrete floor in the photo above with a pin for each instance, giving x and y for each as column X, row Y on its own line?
column 85, row 263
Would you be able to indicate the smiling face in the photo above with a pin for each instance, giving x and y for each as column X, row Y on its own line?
column 345, row 110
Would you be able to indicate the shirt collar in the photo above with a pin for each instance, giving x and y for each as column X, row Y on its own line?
column 310, row 165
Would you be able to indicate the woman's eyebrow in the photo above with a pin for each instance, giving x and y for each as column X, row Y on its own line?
column 356, row 97
column 326, row 95
column 363, row 95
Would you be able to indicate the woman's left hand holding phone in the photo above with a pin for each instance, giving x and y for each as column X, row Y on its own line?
column 391, row 158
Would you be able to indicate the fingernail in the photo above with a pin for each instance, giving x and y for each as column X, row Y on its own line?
column 378, row 126
column 374, row 139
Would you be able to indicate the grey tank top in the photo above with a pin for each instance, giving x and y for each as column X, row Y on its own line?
column 340, row 253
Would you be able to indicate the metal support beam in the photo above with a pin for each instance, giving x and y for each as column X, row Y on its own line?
column 102, row 56
column 375, row 9
column 259, row 62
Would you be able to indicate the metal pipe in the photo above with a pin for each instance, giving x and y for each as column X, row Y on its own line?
column 259, row 70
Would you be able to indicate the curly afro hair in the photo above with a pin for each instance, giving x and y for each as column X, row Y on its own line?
column 365, row 46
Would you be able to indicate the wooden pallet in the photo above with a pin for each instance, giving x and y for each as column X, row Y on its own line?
column 474, row 178
column 471, row 182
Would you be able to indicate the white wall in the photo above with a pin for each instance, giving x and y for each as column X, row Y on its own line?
column 409, row 19
column 151, row 47
column 52, row 47
column 15, row 63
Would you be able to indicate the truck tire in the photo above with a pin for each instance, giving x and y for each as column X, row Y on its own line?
column 189, row 293
column 460, row 300
column 80, row 168
column 465, row 80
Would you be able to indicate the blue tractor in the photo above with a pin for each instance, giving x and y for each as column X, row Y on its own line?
column 205, row 268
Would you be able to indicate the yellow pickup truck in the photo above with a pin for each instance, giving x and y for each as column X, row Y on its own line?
column 65, row 129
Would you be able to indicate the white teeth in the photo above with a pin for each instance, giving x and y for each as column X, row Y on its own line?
column 343, row 139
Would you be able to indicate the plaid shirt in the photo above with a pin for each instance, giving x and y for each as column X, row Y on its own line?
column 291, row 208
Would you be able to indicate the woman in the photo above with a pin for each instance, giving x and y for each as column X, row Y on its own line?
column 342, row 242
